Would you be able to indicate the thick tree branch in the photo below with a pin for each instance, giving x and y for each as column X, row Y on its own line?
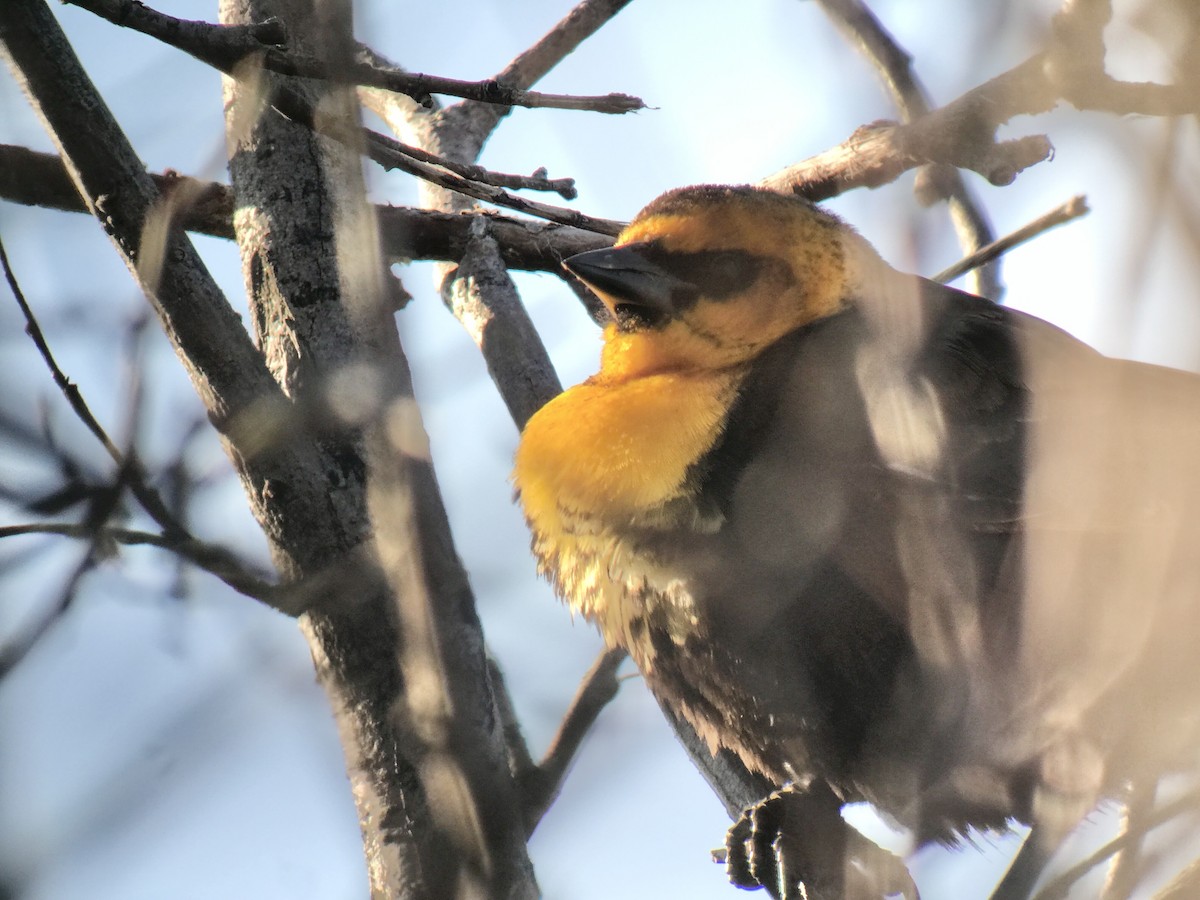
column 479, row 290
column 482, row 296
column 407, row 680
column 225, row 46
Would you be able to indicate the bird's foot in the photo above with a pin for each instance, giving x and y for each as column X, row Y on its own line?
column 795, row 844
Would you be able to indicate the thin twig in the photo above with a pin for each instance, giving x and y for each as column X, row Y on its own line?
column 101, row 507
column 132, row 474
column 538, row 181
column 1072, row 209
column 564, row 187
column 473, row 122
column 206, row 42
column 224, row 46
column 17, row 649
column 1060, row 886
column 69, row 390
column 213, row 559
column 541, row 785
column 136, row 478
column 388, row 153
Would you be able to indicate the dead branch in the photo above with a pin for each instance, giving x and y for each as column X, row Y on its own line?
column 39, row 179
column 894, row 65
column 225, row 46
column 1072, row 209
column 540, row 785
column 135, row 473
column 479, row 290
column 960, row 134
column 963, row 133
column 391, row 154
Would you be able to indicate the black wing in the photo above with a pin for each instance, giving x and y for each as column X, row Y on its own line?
column 854, row 536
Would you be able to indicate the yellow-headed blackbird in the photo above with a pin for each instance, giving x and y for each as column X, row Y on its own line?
column 878, row 539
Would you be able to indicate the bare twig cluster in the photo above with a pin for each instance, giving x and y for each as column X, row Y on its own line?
column 103, row 499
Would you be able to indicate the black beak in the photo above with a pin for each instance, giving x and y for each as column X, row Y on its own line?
column 626, row 277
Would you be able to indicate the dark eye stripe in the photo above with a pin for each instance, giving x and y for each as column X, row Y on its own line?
column 713, row 274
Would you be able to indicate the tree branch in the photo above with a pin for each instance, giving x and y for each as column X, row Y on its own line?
column 1058, row 887
column 391, row 154
column 963, row 133
column 135, row 473
column 530, row 66
column 225, row 46
column 479, row 290
column 894, row 66
column 1072, row 209
column 960, row 134
column 215, row 560
column 483, row 298
column 226, row 369
column 39, row 179
column 208, row 43
column 402, row 659
column 541, row 784
column 101, row 505
column 584, row 20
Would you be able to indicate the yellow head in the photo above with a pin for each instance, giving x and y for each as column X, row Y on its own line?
column 707, row 277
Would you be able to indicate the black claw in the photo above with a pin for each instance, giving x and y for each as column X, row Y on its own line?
column 738, row 868
column 795, row 844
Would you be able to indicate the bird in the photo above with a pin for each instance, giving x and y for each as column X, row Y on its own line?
column 872, row 538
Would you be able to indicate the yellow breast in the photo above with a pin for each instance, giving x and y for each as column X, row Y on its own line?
column 607, row 457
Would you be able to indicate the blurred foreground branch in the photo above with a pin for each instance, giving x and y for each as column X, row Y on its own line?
column 963, row 132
